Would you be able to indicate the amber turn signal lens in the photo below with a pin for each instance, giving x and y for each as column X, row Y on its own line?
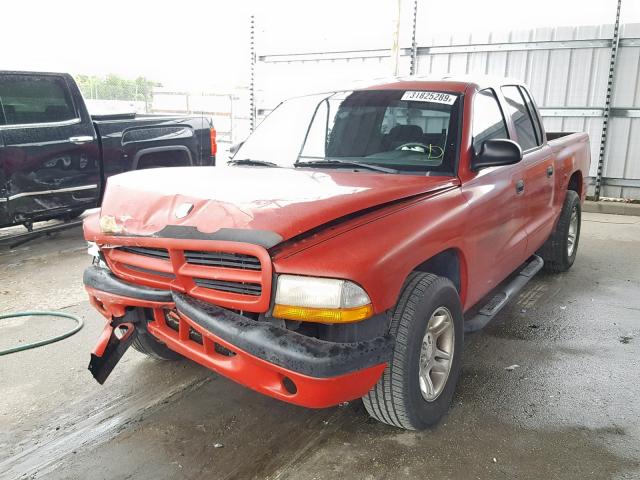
column 323, row 315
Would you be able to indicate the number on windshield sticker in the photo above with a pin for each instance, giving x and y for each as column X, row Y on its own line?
column 433, row 97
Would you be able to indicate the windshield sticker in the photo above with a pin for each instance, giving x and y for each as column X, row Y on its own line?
column 432, row 97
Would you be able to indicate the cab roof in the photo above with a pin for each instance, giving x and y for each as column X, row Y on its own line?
column 447, row 82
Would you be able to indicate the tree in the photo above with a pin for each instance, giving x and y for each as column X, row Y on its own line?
column 113, row 87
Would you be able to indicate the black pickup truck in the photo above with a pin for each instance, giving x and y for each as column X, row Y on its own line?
column 55, row 157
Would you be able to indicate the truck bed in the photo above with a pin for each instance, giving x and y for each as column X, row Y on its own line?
column 573, row 153
column 561, row 140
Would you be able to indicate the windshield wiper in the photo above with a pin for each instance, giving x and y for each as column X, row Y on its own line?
column 334, row 162
column 250, row 162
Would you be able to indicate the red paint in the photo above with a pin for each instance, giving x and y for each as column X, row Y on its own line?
column 103, row 341
column 244, row 368
column 476, row 215
column 183, row 274
column 285, row 201
column 262, row 376
column 213, row 141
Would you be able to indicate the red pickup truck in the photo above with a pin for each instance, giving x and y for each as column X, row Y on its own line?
column 347, row 247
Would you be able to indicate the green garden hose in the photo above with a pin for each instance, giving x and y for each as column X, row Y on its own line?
column 47, row 341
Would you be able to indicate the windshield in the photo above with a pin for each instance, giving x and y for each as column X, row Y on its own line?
column 406, row 131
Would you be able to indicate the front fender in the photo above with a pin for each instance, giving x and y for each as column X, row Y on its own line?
column 380, row 254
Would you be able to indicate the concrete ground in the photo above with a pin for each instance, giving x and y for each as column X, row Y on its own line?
column 569, row 410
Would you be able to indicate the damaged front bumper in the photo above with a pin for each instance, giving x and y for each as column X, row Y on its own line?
column 269, row 359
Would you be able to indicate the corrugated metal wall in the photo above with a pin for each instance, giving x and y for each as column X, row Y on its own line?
column 623, row 152
column 567, row 69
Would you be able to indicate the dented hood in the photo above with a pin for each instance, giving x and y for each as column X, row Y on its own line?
column 282, row 201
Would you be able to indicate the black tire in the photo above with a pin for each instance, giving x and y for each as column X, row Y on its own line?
column 555, row 250
column 396, row 399
column 145, row 343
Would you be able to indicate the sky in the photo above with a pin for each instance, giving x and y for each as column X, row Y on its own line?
column 204, row 45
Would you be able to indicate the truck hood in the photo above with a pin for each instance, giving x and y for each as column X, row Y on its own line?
column 280, row 202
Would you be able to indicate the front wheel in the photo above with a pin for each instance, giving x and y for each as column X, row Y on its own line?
column 147, row 344
column 560, row 249
column 416, row 388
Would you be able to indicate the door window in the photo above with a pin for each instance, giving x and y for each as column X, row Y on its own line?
column 534, row 114
column 488, row 121
column 522, row 121
column 28, row 99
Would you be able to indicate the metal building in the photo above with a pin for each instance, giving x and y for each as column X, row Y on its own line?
column 570, row 71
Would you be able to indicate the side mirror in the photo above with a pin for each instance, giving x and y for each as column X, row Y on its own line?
column 496, row 152
column 234, row 148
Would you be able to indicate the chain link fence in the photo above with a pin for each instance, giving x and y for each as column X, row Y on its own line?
column 113, row 94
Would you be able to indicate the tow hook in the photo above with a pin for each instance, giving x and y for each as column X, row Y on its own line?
column 116, row 338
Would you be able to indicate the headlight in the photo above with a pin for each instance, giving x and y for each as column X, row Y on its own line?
column 98, row 259
column 324, row 300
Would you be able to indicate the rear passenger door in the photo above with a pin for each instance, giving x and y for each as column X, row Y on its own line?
column 537, row 162
column 49, row 162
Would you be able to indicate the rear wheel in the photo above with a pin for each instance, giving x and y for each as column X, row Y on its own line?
column 559, row 251
column 416, row 388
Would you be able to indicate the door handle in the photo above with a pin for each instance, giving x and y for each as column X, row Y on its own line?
column 81, row 139
column 519, row 186
column 549, row 170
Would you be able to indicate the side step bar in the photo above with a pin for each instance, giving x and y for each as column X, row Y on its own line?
column 16, row 240
column 502, row 296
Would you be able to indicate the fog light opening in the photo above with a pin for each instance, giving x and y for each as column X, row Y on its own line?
column 289, row 386
column 223, row 350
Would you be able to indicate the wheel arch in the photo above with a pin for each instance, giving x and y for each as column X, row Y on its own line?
column 449, row 263
column 152, row 156
column 576, row 183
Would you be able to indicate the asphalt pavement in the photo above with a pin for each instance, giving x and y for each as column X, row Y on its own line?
column 549, row 390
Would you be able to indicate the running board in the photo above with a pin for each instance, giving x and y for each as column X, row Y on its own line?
column 502, row 296
column 14, row 241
